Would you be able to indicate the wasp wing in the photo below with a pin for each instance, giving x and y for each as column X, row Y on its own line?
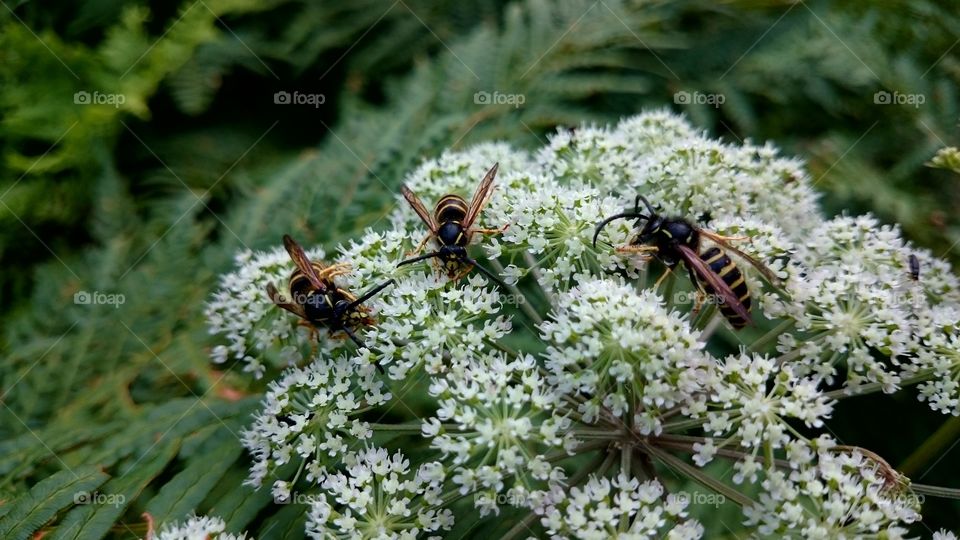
column 419, row 208
column 280, row 301
column 480, row 197
column 762, row 268
column 720, row 287
column 303, row 262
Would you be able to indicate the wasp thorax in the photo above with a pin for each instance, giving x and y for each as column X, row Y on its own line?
column 316, row 306
column 451, row 234
column 679, row 230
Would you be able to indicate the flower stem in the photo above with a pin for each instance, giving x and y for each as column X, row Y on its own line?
column 936, row 491
column 502, row 348
column 626, row 452
column 870, row 388
column 520, row 527
column 523, row 302
column 696, row 474
column 685, row 444
column 708, row 329
column 409, row 428
column 534, row 267
column 933, row 447
column 770, row 336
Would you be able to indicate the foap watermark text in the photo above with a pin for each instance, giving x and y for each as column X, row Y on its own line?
column 98, row 298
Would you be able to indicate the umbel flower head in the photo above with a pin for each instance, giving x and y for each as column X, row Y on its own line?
column 378, row 496
column 582, row 396
column 197, row 528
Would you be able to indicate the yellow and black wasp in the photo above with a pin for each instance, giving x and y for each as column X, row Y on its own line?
column 316, row 298
column 451, row 225
column 675, row 240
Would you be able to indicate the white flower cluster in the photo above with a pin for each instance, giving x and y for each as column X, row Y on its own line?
column 311, row 415
column 422, row 320
column 625, row 353
column 378, row 497
column 857, row 298
column 751, row 401
column 836, row 494
column 495, row 421
column 553, row 225
column 621, row 508
column 197, row 528
column 580, row 355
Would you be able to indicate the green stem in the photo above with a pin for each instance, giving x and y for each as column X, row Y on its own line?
column 687, row 446
column 933, row 447
column 770, row 336
column 502, row 348
column 698, row 475
column 524, row 304
column 583, row 448
column 870, row 388
column 712, row 324
column 535, row 272
column 936, row 491
column 520, row 527
column 409, row 428
column 626, row 451
column 683, row 424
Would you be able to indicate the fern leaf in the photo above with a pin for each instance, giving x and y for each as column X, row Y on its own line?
column 45, row 500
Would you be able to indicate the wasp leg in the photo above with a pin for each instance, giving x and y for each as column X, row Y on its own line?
column 313, row 336
column 423, row 244
column 339, row 269
column 636, row 249
column 698, row 303
column 721, row 238
column 150, row 525
column 666, row 273
column 501, row 230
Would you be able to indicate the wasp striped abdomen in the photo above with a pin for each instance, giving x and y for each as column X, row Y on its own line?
column 727, row 270
column 451, row 208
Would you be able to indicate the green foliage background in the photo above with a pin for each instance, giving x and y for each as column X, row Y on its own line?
column 151, row 199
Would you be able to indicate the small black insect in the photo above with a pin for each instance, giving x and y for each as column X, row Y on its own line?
column 451, row 225
column 914, row 267
column 318, row 301
column 675, row 240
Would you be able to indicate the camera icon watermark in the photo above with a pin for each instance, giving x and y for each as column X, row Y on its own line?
column 882, row 97
column 699, row 98
column 683, row 298
column 98, row 98
column 103, row 499
column 509, row 498
column 697, row 498
column 98, row 298
column 299, row 98
column 296, row 497
column 497, row 98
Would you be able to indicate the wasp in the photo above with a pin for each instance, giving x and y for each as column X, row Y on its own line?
column 675, row 240
column 317, row 300
column 451, row 225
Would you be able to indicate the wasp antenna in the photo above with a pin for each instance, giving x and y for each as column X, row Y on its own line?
column 647, row 204
column 370, row 294
column 418, row 259
column 486, row 272
column 602, row 224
